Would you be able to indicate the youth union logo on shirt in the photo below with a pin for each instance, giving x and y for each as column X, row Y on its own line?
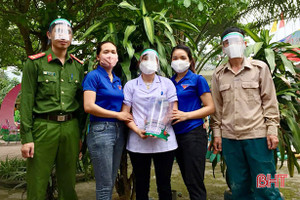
column 120, row 87
column 185, row 86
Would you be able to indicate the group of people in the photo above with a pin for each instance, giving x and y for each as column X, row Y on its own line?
column 242, row 104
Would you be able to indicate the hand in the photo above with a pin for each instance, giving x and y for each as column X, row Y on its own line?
column 124, row 116
column 218, row 143
column 179, row 116
column 141, row 133
column 272, row 141
column 27, row 150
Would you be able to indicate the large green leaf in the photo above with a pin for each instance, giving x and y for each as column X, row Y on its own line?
column 129, row 29
column 200, row 6
column 187, row 3
column 287, row 64
column 126, row 68
column 91, row 29
column 184, row 25
column 166, row 24
column 143, row 8
column 113, row 32
column 252, row 35
column 270, row 56
column 125, row 4
column 171, row 38
column 149, row 28
column 130, row 49
column 256, row 47
column 293, row 125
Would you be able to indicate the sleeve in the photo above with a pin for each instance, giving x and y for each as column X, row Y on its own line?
column 269, row 101
column 171, row 91
column 28, row 90
column 90, row 82
column 128, row 93
column 82, row 116
column 202, row 85
column 216, row 118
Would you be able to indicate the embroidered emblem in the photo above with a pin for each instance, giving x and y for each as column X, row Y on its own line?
column 184, row 86
column 120, row 87
column 49, row 57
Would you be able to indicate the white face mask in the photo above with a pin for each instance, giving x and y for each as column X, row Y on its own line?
column 148, row 67
column 180, row 65
column 235, row 50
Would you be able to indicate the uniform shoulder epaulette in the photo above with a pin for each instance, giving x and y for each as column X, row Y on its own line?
column 81, row 62
column 258, row 63
column 36, row 56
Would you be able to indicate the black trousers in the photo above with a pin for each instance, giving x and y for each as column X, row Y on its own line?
column 163, row 163
column 190, row 155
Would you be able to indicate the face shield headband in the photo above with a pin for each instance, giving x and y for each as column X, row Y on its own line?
column 62, row 29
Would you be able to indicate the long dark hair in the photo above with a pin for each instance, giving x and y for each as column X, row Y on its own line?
column 189, row 53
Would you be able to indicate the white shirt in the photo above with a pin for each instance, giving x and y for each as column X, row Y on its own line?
column 137, row 96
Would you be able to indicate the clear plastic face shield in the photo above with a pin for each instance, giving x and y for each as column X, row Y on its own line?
column 149, row 62
column 61, row 30
column 234, row 45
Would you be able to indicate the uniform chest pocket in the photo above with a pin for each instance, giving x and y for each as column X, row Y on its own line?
column 225, row 92
column 73, row 85
column 47, row 84
column 250, row 91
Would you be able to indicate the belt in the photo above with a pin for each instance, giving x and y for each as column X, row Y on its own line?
column 54, row 117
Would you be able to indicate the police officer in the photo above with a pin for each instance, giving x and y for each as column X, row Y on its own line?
column 51, row 104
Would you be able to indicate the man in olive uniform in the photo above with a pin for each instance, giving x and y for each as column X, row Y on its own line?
column 51, row 103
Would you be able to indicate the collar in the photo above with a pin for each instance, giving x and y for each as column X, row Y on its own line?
column 104, row 72
column 52, row 57
column 188, row 75
column 246, row 63
column 140, row 80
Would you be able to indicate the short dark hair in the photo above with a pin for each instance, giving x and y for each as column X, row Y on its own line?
column 232, row 29
column 99, row 45
column 189, row 53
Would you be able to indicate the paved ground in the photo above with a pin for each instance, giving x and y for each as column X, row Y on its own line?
column 11, row 150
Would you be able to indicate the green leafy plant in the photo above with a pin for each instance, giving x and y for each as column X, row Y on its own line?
column 133, row 29
column 287, row 89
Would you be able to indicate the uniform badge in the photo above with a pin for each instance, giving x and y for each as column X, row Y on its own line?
column 120, row 87
column 184, row 86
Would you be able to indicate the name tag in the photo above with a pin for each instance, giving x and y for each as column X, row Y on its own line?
column 49, row 73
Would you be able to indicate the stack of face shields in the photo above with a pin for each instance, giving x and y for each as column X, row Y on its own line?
column 158, row 117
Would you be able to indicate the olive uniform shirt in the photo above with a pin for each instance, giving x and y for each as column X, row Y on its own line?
column 245, row 102
column 50, row 87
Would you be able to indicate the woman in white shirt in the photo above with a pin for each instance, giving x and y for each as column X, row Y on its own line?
column 138, row 97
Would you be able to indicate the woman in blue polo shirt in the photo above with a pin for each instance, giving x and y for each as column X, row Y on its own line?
column 194, row 103
column 103, row 97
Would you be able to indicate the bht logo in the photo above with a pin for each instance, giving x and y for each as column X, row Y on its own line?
column 263, row 181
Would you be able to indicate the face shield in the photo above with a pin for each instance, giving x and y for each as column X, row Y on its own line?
column 149, row 62
column 234, row 45
column 61, row 29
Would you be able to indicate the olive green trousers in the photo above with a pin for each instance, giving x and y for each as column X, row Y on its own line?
column 55, row 143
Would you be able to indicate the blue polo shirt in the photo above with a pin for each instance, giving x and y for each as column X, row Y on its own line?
column 189, row 89
column 109, row 95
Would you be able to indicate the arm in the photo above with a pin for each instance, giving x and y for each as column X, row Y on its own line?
column 29, row 85
column 92, row 108
column 216, row 117
column 207, row 109
column 131, row 124
column 270, row 106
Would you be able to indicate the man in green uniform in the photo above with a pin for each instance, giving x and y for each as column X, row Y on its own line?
column 51, row 105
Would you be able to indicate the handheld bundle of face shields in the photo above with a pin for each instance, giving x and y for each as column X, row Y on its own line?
column 158, row 117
